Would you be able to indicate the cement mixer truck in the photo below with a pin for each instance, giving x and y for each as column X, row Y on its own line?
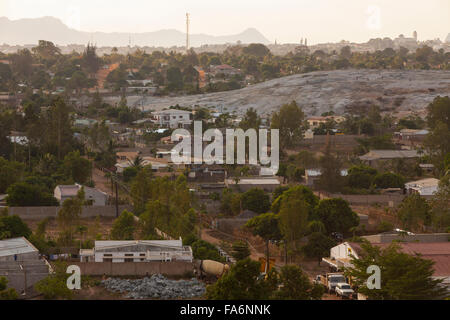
column 209, row 268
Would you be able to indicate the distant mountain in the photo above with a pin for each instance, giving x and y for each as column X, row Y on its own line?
column 30, row 31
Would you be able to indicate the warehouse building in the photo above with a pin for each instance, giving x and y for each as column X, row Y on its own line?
column 137, row 251
column 21, row 265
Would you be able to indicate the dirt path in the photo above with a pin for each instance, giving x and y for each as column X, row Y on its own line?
column 216, row 237
column 101, row 182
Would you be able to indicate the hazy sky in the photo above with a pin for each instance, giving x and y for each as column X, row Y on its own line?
column 281, row 20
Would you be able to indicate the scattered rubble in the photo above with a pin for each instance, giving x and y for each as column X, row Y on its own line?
column 156, row 287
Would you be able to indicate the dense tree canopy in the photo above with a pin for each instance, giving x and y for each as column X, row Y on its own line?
column 337, row 216
column 403, row 276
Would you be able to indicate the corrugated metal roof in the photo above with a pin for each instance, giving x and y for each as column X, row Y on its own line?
column 68, row 191
column 424, row 183
column 390, row 154
column 14, row 246
column 256, row 181
column 158, row 243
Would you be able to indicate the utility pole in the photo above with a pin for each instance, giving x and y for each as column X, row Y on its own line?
column 187, row 32
column 117, row 200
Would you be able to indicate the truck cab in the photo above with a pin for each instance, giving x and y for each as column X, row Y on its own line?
column 333, row 280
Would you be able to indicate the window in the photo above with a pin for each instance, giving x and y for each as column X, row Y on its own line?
column 107, row 260
column 129, row 255
column 107, row 255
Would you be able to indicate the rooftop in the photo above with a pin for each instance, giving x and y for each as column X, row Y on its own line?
column 69, row 191
column 390, row 154
column 424, row 183
column 14, row 246
column 257, row 181
column 172, row 111
column 158, row 243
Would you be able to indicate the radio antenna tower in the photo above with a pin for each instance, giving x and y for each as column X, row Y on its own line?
column 187, row 32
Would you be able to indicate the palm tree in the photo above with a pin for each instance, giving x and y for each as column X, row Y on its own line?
column 81, row 230
column 137, row 163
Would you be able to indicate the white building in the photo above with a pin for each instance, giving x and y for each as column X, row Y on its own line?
column 157, row 164
column 137, row 251
column 246, row 184
column 313, row 175
column 96, row 197
column 18, row 249
column 424, row 187
column 173, row 118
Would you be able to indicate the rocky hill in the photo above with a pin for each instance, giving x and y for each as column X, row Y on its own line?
column 318, row 92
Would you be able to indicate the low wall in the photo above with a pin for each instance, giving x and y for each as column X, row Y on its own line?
column 39, row 213
column 371, row 199
column 17, row 280
column 423, row 238
column 175, row 268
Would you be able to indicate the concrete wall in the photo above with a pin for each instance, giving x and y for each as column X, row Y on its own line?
column 177, row 268
column 371, row 199
column 39, row 213
column 21, row 257
column 17, row 280
column 423, row 238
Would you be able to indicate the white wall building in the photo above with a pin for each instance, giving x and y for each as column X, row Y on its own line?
column 173, row 118
column 424, row 187
column 137, row 251
column 97, row 197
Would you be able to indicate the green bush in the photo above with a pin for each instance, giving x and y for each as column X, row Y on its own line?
column 203, row 250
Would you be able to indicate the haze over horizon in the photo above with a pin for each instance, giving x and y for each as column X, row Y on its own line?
column 286, row 21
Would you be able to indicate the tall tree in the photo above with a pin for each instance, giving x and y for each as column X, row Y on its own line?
column 251, row 120
column 267, row 227
column 256, row 200
column 318, row 246
column 438, row 120
column 414, row 213
column 289, row 120
column 336, row 215
column 69, row 215
column 331, row 178
column 294, row 214
column 403, row 276
column 242, row 282
column 296, row 285
column 124, row 227
column 57, row 127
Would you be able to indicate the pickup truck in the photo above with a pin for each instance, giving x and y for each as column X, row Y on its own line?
column 344, row 290
column 330, row 280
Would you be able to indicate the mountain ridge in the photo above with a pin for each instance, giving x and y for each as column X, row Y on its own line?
column 30, row 31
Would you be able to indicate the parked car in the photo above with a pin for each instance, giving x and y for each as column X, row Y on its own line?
column 330, row 280
column 344, row 290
